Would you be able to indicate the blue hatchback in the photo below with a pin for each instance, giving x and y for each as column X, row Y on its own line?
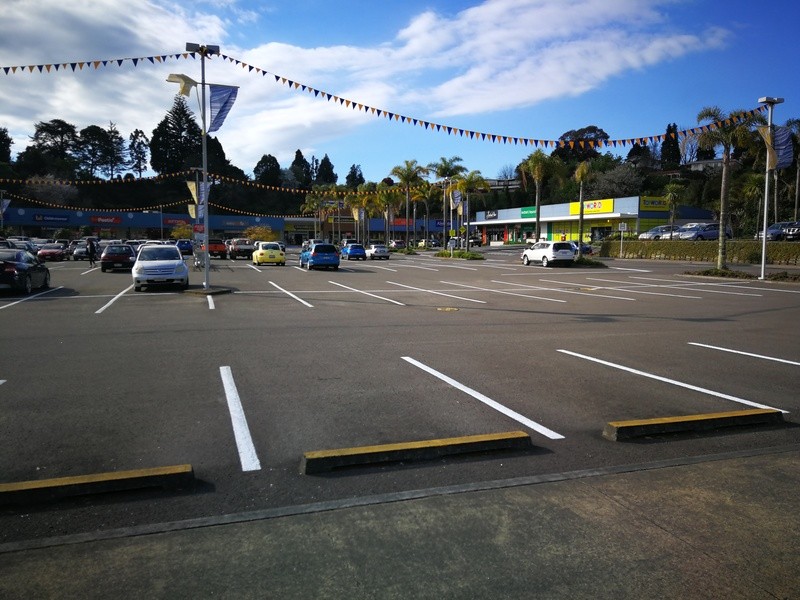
column 320, row 256
column 354, row 252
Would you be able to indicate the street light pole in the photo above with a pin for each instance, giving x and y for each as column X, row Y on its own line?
column 203, row 193
column 770, row 102
column 161, row 219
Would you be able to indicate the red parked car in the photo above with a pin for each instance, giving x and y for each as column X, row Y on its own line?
column 52, row 252
column 117, row 256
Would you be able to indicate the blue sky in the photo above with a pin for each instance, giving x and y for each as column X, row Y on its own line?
column 531, row 69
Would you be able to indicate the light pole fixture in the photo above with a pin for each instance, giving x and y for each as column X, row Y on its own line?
column 186, row 84
column 770, row 102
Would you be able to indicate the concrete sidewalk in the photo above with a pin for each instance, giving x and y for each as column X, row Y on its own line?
column 723, row 526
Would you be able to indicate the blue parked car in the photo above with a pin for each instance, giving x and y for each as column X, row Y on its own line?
column 354, row 252
column 185, row 246
column 320, row 256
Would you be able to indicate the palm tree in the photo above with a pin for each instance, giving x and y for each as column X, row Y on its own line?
column 471, row 182
column 581, row 175
column 312, row 205
column 794, row 125
column 409, row 173
column 446, row 169
column 426, row 193
column 539, row 165
column 673, row 193
column 727, row 133
column 752, row 188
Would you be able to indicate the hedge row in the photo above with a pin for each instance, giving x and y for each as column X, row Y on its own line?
column 738, row 251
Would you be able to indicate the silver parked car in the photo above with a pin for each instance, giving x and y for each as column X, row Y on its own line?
column 662, row 232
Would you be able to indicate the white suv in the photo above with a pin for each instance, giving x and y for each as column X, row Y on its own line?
column 549, row 253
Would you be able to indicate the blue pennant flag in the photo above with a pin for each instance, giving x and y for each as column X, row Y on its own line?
column 222, row 99
column 783, row 147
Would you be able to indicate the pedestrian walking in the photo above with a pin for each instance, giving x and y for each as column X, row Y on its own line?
column 91, row 252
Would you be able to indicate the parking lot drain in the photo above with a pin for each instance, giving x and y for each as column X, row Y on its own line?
column 623, row 430
column 326, row 460
column 171, row 477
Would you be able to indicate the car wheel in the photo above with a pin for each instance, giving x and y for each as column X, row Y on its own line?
column 27, row 286
column 137, row 288
column 371, row 258
column 336, row 268
column 544, row 261
column 525, row 260
column 308, row 266
column 102, row 269
column 46, row 283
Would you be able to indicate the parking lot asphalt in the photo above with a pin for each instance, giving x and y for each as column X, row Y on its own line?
column 405, row 350
column 724, row 526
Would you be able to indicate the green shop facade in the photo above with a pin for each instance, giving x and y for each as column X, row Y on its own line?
column 600, row 218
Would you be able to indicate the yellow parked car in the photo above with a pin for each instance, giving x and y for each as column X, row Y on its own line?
column 268, row 252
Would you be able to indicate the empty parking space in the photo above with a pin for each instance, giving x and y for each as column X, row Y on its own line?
column 415, row 348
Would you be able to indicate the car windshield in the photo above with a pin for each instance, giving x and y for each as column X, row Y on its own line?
column 270, row 247
column 562, row 246
column 52, row 247
column 324, row 249
column 356, row 247
column 159, row 253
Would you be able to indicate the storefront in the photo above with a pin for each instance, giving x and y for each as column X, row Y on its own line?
column 562, row 221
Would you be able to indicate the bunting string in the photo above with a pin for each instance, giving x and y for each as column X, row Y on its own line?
column 347, row 103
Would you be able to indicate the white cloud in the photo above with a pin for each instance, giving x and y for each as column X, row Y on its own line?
column 495, row 56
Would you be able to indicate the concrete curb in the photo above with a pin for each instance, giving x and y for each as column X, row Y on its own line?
column 622, row 430
column 176, row 476
column 326, row 460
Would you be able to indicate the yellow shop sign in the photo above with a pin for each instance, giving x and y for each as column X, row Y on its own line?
column 653, row 203
column 592, row 207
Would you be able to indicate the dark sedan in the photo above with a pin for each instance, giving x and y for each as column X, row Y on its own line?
column 117, row 256
column 21, row 270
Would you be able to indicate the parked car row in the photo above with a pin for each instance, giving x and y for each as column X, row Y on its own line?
column 690, row 231
column 788, row 231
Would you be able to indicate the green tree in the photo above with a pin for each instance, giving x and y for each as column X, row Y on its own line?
column 56, row 141
column 5, row 145
column 673, row 194
column 324, row 173
column 467, row 184
column 91, row 149
column 176, row 141
column 354, row 177
column 581, row 175
column 428, row 194
column 138, row 151
column 670, row 149
column 727, row 133
column 537, row 166
column 408, row 174
column 116, row 157
column 301, row 169
column 268, row 171
column 446, row 169
column 578, row 145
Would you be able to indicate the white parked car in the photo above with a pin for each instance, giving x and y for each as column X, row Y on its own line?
column 550, row 253
column 159, row 264
column 377, row 251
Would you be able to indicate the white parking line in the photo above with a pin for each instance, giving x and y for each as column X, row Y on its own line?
column 541, row 288
column 549, row 433
column 114, row 299
column 384, row 268
column 367, row 293
column 241, row 432
column 625, row 287
column 474, row 287
column 26, row 298
column 781, row 360
column 416, row 289
column 291, row 295
column 704, row 285
column 211, row 305
column 671, row 381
